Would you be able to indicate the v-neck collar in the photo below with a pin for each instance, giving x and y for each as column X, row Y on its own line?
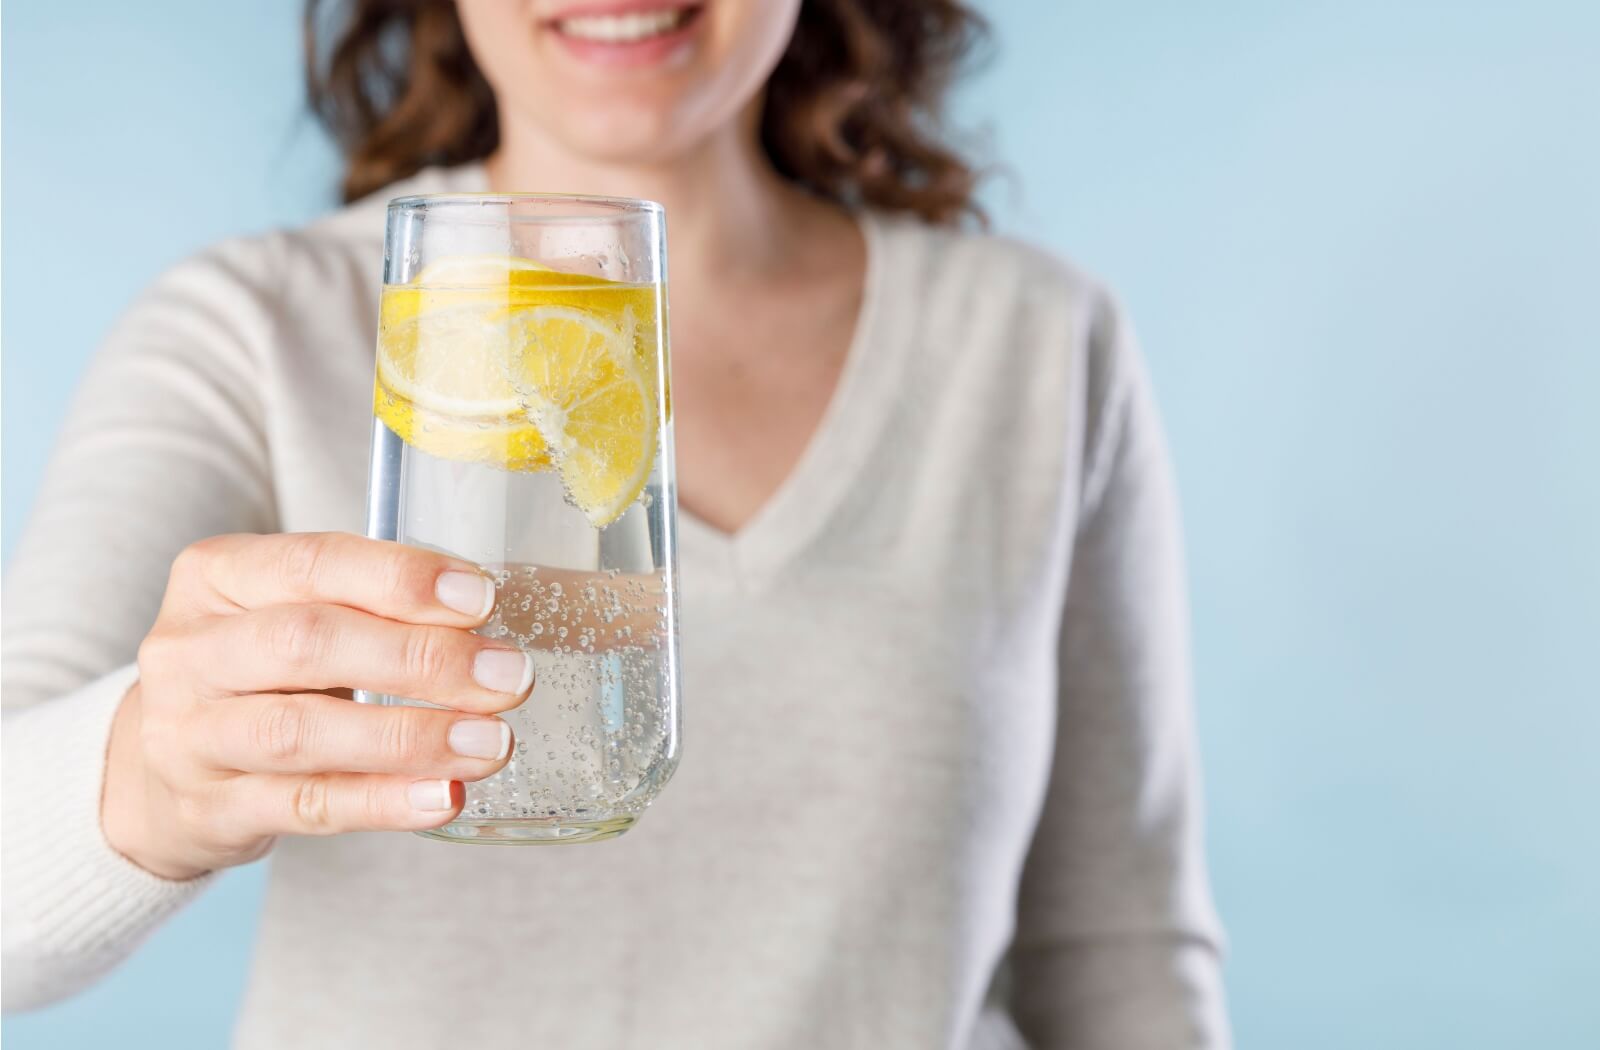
column 862, row 398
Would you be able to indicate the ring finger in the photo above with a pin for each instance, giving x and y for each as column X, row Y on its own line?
column 313, row 732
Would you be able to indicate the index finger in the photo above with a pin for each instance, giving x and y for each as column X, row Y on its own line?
column 233, row 573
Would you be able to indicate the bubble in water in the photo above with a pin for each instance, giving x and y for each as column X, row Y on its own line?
column 597, row 758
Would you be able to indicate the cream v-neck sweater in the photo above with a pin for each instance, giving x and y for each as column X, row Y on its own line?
column 938, row 786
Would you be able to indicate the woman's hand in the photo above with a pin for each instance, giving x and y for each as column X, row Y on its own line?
column 225, row 742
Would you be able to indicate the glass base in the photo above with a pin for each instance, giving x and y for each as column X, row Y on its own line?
column 529, row 832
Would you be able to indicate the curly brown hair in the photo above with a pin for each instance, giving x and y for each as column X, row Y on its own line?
column 852, row 111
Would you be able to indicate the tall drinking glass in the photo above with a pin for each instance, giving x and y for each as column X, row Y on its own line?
column 522, row 422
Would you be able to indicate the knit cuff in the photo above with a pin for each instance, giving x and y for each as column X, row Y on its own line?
column 73, row 905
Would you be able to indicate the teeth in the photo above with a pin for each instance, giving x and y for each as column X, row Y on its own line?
column 622, row 29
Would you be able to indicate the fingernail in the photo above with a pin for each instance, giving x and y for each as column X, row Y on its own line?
column 430, row 795
column 503, row 670
column 480, row 738
column 465, row 592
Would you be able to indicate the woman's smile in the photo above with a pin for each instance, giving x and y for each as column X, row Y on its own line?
column 626, row 33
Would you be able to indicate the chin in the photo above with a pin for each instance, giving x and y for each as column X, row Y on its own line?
column 623, row 135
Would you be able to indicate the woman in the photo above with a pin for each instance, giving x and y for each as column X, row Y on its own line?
column 940, row 786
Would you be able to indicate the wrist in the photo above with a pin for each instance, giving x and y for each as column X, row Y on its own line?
column 126, row 802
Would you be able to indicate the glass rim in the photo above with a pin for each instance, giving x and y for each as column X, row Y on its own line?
column 625, row 205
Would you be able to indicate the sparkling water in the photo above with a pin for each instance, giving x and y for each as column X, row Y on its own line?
column 598, row 737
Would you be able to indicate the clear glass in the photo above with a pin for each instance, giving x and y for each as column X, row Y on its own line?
column 522, row 421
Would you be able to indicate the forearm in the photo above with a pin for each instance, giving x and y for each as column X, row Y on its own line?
column 1133, row 992
column 165, row 444
column 74, row 906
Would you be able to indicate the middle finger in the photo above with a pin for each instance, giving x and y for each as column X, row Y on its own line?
column 316, row 733
column 305, row 647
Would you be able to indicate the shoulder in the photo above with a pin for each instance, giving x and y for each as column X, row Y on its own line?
column 1035, row 345
column 363, row 220
column 974, row 264
column 356, row 228
column 348, row 243
column 1008, row 283
column 1037, row 312
column 248, row 283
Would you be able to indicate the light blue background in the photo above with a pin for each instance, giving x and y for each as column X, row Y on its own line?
column 1362, row 241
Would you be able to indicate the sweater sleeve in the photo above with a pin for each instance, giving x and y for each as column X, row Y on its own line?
column 1117, row 943
column 164, row 445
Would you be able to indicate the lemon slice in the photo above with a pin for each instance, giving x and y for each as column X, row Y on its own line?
column 524, row 385
column 592, row 400
column 513, row 444
column 450, row 360
column 444, row 385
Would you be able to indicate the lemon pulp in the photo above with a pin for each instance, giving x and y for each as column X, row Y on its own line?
column 503, row 362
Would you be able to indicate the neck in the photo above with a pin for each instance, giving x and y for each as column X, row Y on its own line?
column 728, row 211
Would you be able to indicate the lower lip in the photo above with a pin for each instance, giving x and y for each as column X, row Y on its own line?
column 649, row 51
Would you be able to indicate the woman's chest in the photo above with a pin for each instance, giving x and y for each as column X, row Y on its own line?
column 885, row 712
